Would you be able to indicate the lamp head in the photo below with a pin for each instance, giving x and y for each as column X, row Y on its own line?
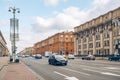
column 18, row 11
column 9, row 10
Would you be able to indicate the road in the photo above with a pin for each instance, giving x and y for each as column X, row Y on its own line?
column 75, row 70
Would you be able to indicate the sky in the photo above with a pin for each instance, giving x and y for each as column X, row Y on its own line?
column 39, row 19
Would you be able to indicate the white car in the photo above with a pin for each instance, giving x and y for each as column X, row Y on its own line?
column 70, row 56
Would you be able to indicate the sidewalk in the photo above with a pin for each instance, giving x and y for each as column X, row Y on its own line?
column 3, row 66
column 15, row 71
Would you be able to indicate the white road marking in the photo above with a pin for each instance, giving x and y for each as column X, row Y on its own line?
column 108, row 73
column 111, row 67
column 75, row 71
column 66, row 77
column 105, row 73
column 91, row 70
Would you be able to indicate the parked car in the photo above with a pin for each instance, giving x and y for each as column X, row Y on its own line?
column 88, row 57
column 17, row 59
column 38, row 56
column 69, row 56
column 114, row 57
column 11, row 58
column 65, row 56
column 57, row 60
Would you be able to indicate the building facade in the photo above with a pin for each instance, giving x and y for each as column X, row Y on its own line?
column 27, row 51
column 98, row 36
column 3, row 48
column 62, row 43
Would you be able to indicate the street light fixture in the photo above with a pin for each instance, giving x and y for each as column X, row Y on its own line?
column 14, row 25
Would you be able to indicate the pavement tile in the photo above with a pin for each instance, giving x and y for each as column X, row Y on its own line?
column 18, row 71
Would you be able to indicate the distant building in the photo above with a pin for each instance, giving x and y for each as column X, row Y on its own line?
column 100, row 35
column 3, row 48
column 62, row 43
column 27, row 51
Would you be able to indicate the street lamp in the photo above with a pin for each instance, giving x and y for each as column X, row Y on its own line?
column 14, row 29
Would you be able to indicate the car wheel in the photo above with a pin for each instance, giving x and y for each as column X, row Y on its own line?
column 65, row 64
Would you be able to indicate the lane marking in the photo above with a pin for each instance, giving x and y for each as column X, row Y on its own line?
column 111, row 67
column 75, row 71
column 66, row 77
column 108, row 73
column 105, row 73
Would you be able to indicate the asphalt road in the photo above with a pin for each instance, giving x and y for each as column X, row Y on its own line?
column 75, row 70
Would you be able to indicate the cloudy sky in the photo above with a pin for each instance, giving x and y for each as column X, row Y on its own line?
column 39, row 19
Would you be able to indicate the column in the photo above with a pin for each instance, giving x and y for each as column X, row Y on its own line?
column 111, row 43
column 94, row 44
column 87, row 44
column 82, row 46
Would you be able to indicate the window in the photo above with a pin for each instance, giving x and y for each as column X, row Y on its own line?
column 106, row 51
column 84, row 39
column 98, row 52
column 79, row 40
column 106, row 35
column 106, row 43
column 97, row 37
column 90, row 45
column 90, row 38
column 106, row 27
column 66, row 44
column 79, row 46
column 85, row 46
column 97, row 44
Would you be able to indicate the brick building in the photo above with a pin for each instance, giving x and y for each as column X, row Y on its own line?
column 98, row 36
column 61, row 43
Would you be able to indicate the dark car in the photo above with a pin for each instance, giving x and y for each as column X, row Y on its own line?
column 38, row 56
column 114, row 58
column 57, row 60
column 88, row 57
column 11, row 58
column 17, row 59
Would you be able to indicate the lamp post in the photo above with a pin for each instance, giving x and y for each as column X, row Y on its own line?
column 14, row 26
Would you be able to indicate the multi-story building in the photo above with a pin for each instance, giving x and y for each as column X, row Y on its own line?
column 27, row 51
column 3, row 48
column 61, row 43
column 100, row 35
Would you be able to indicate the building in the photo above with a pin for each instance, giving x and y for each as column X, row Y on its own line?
column 62, row 43
column 98, row 36
column 27, row 51
column 3, row 48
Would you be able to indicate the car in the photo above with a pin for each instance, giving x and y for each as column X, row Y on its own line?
column 65, row 56
column 114, row 57
column 70, row 56
column 38, row 56
column 16, row 59
column 11, row 58
column 57, row 60
column 88, row 57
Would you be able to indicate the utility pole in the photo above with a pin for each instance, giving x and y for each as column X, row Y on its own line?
column 14, row 30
